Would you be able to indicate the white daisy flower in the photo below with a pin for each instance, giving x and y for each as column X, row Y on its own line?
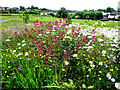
column 100, row 63
column 87, row 75
column 7, row 40
column 24, row 44
column 100, row 40
column 26, row 54
column 109, row 76
column 19, row 47
column 18, row 44
column 89, row 36
column 14, row 50
column 67, row 37
column 92, row 65
column 39, row 34
column 75, row 55
column 113, row 80
column 66, row 62
column 20, row 54
column 91, row 62
column 23, row 41
column 103, row 52
column 69, row 32
column 47, row 32
column 117, row 85
column 114, row 57
column 29, row 24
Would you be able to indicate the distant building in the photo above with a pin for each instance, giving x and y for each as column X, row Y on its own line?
column 54, row 11
column 16, row 8
column 111, row 16
column 72, row 11
column 4, row 8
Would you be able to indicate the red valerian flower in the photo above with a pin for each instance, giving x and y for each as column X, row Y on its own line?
column 106, row 46
column 86, row 37
column 66, row 52
column 93, row 54
column 102, row 36
column 55, row 37
column 78, row 43
column 83, row 41
column 97, row 52
column 46, row 58
column 30, row 35
column 39, row 47
column 93, row 36
column 26, row 29
column 84, row 59
column 37, row 42
column 54, row 55
column 93, row 30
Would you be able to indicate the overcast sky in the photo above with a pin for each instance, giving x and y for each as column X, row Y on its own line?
column 57, row 4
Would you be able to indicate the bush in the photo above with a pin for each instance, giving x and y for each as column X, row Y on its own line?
column 34, row 12
column 52, row 14
column 96, row 15
column 26, row 17
column 11, row 10
column 62, row 13
column 5, row 12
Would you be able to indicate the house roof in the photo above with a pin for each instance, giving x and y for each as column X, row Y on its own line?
column 117, row 13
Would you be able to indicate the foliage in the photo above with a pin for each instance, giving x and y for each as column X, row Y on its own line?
column 94, row 15
column 34, row 12
column 62, row 13
column 62, row 56
column 52, row 14
column 22, row 8
column 26, row 16
column 109, row 9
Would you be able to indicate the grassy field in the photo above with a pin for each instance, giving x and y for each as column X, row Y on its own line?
column 17, row 24
column 54, row 55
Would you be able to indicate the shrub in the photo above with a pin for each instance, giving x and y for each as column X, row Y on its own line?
column 26, row 17
column 62, row 13
column 52, row 14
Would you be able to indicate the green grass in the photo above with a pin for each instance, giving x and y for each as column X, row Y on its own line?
column 7, row 17
column 90, row 22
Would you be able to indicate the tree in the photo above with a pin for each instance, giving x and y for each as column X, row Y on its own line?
column 62, row 13
column 22, row 8
column 11, row 10
column 32, row 7
column 118, row 9
column 109, row 9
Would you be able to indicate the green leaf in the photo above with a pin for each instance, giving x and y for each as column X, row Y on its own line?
column 84, row 86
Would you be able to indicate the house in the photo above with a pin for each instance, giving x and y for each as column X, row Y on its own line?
column 4, row 8
column 27, row 9
column 72, row 11
column 114, row 15
column 111, row 16
column 16, row 8
column 49, row 11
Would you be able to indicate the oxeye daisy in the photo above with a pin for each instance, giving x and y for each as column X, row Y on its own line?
column 75, row 55
column 100, row 63
column 92, row 65
column 103, row 52
column 109, row 76
column 66, row 62
column 90, row 62
column 113, row 80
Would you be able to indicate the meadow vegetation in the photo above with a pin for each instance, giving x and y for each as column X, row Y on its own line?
column 47, row 52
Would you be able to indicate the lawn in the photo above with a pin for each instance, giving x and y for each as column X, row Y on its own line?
column 48, row 53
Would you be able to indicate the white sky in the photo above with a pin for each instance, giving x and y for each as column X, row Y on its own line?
column 57, row 4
